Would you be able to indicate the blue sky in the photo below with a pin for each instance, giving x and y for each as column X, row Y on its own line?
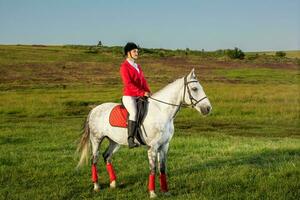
column 252, row 25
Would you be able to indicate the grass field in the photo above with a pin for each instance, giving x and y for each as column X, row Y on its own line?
column 289, row 54
column 248, row 148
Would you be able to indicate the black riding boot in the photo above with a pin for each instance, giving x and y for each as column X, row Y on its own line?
column 132, row 129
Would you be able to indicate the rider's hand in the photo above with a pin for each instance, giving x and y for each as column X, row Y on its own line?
column 147, row 94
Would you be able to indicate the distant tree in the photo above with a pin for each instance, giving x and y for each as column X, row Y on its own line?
column 280, row 54
column 99, row 44
column 235, row 53
column 187, row 50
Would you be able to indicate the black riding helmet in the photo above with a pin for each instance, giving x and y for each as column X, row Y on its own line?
column 130, row 46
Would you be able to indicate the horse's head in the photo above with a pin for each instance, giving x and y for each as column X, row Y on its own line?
column 194, row 94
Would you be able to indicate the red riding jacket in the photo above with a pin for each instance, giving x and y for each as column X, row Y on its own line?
column 134, row 82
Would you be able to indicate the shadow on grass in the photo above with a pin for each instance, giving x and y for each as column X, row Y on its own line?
column 266, row 158
column 12, row 140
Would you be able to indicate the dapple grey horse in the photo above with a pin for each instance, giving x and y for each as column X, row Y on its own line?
column 158, row 128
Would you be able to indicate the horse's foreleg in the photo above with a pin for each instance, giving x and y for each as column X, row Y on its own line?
column 162, row 163
column 107, row 155
column 152, row 154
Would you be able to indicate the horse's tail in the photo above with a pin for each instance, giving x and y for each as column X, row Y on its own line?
column 84, row 144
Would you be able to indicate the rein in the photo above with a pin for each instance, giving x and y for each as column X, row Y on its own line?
column 193, row 104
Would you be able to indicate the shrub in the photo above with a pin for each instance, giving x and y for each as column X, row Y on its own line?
column 147, row 51
column 117, row 50
column 92, row 50
column 252, row 57
column 280, row 54
column 161, row 54
column 220, row 53
column 235, row 53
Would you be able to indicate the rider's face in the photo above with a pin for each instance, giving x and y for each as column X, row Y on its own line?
column 134, row 53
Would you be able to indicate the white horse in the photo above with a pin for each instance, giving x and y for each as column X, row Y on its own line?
column 157, row 131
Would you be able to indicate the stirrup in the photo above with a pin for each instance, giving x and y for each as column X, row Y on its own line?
column 131, row 143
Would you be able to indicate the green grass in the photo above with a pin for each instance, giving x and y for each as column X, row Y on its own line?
column 248, row 148
column 261, row 75
column 289, row 54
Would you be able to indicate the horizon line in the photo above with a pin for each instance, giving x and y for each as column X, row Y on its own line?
column 43, row 44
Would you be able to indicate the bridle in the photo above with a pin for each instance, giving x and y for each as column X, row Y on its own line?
column 193, row 103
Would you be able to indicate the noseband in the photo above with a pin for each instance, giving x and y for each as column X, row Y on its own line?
column 193, row 103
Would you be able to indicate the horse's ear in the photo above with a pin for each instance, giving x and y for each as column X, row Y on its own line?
column 192, row 74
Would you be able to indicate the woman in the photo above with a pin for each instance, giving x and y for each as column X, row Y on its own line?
column 134, row 86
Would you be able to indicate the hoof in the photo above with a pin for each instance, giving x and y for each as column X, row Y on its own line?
column 96, row 187
column 152, row 194
column 113, row 184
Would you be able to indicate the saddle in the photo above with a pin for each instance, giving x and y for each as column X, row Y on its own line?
column 118, row 117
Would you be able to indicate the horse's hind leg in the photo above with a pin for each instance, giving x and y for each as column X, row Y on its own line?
column 95, row 145
column 107, row 155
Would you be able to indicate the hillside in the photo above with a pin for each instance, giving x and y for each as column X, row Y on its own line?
column 58, row 66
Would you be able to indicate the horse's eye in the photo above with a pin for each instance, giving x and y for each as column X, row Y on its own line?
column 194, row 89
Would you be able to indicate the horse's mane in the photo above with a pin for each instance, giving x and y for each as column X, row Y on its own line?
column 167, row 87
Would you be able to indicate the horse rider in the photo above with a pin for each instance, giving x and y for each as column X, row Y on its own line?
column 134, row 86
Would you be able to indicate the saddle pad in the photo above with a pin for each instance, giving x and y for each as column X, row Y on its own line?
column 118, row 116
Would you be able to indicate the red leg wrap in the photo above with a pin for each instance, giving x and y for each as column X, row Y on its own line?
column 151, row 185
column 163, row 183
column 111, row 172
column 94, row 173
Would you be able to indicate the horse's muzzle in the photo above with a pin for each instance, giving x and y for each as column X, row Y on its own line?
column 205, row 110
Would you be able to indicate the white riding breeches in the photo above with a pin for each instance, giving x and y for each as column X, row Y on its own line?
column 130, row 104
